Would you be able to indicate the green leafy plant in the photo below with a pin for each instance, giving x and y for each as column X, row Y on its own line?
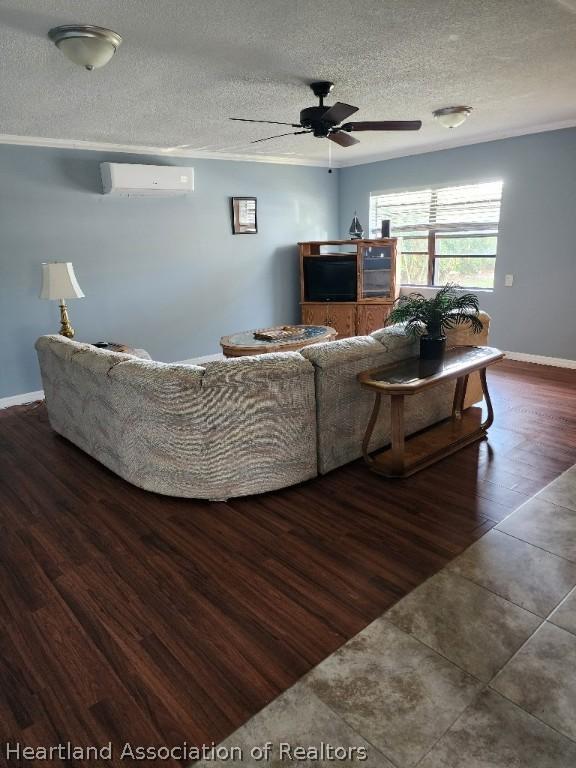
column 432, row 317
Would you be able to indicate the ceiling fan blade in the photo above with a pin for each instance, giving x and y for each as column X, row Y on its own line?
column 290, row 133
column 384, row 125
column 272, row 122
column 344, row 139
column 339, row 112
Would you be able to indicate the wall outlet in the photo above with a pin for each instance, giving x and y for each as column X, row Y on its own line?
column 508, row 281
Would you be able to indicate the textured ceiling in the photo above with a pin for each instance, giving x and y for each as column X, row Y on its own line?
column 185, row 66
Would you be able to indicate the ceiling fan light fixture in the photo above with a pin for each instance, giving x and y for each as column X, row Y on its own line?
column 88, row 46
column 452, row 117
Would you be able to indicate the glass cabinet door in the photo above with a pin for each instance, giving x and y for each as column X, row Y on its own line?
column 377, row 272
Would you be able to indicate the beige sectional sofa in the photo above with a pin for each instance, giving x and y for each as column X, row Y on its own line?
column 233, row 427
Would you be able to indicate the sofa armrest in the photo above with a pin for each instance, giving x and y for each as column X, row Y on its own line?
column 463, row 336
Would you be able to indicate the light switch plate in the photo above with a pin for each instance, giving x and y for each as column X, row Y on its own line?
column 508, row 281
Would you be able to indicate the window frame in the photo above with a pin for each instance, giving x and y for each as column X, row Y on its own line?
column 434, row 256
column 436, row 229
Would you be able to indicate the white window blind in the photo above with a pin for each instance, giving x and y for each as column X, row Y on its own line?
column 470, row 208
column 448, row 234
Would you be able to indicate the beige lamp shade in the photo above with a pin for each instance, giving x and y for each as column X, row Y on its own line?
column 59, row 281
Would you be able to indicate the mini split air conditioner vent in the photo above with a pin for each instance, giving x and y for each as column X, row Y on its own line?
column 132, row 180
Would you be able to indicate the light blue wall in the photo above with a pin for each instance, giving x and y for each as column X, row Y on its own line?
column 537, row 241
column 168, row 275
column 163, row 274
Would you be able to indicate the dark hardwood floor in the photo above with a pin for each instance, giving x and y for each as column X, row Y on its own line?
column 126, row 616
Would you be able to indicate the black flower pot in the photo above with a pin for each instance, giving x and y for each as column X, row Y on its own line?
column 432, row 347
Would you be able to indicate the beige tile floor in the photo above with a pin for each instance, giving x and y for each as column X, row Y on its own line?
column 476, row 668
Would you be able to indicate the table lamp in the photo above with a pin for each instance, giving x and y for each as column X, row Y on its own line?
column 59, row 282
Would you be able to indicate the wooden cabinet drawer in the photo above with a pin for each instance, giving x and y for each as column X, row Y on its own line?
column 314, row 314
column 342, row 317
column 371, row 317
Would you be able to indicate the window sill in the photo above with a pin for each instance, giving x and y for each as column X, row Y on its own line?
column 437, row 288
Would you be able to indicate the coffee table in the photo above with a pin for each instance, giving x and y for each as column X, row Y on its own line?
column 409, row 377
column 244, row 343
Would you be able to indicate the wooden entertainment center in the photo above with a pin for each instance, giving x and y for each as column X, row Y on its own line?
column 362, row 310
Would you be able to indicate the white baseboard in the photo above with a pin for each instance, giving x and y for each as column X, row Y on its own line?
column 27, row 397
column 203, row 359
column 558, row 362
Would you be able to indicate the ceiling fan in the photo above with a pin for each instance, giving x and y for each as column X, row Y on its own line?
column 325, row 122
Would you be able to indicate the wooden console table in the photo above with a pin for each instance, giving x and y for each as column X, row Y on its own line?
column 409, row 377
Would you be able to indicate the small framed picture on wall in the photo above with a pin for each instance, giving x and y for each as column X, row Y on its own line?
column 244, row 219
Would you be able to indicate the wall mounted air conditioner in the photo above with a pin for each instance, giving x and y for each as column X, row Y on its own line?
column 132, row 180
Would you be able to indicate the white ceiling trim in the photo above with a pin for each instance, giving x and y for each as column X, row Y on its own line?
column 484, row 139
column 101, row 146
column 37, row 141
column 185, row 68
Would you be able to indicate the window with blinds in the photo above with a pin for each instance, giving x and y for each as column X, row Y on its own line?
column 446, row 235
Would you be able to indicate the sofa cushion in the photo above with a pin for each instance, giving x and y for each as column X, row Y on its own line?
column 460, row 335
column 99, row 361
column 330, row 353
column 144, row 373
column 60, row 346
column 396, row 341
column 255, row 369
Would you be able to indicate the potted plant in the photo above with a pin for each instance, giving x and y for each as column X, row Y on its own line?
column 430, row 318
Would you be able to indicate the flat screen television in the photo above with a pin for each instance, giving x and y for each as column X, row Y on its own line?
column 330, row 278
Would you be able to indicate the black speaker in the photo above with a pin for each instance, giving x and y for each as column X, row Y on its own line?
column 385, row 228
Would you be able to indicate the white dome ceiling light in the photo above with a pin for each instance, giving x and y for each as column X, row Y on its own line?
column 452, row 117
column 86, row 45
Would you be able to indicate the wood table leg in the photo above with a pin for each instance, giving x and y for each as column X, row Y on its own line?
column 397, row 453
column 487, row 423
column 370, row 429
column 459, row 397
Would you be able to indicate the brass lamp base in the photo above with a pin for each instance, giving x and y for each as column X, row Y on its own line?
column 65, row 327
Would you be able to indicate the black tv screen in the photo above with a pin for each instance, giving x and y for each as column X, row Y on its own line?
column 330, row 278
